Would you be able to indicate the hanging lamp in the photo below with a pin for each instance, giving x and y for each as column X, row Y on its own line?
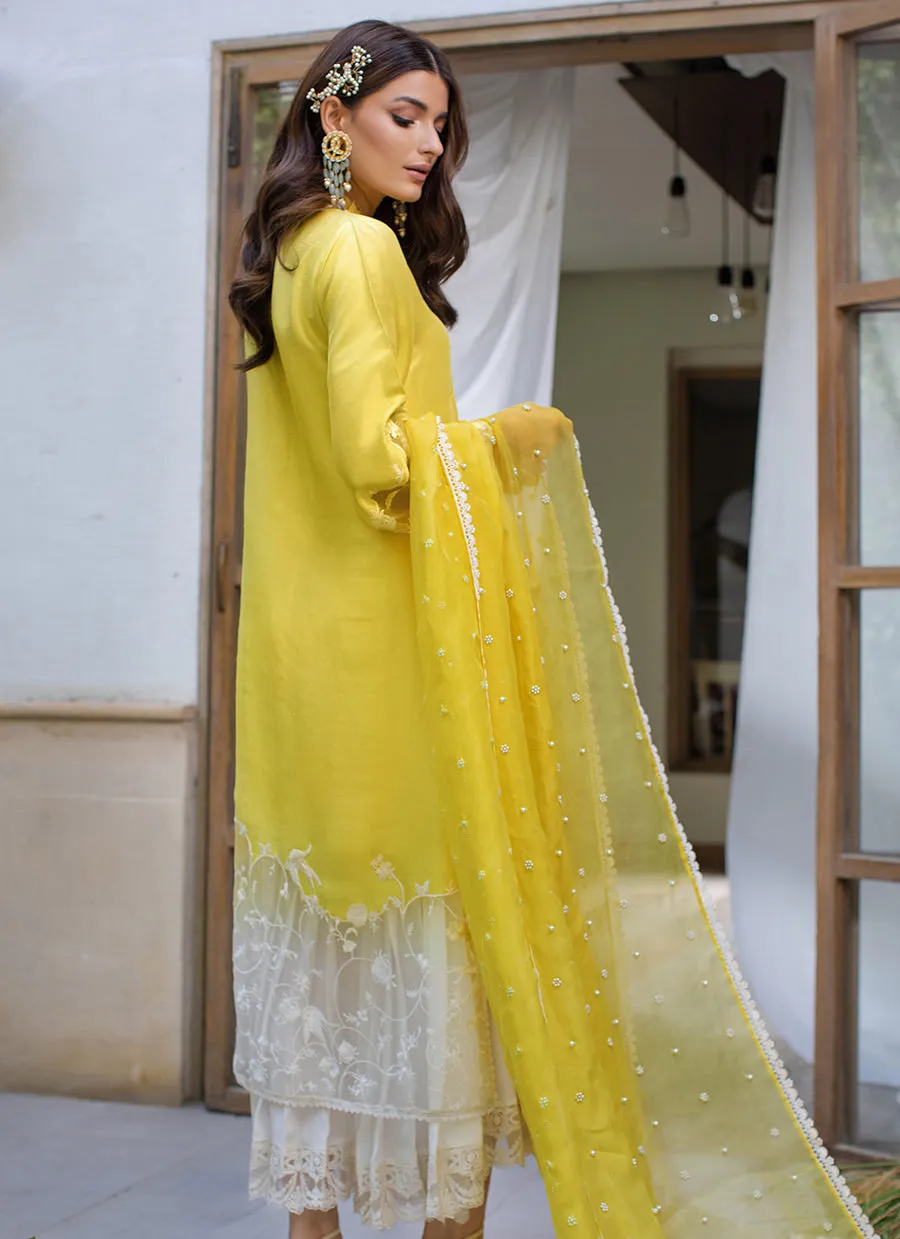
column 747, row 303
column 677, row 221
column 764, row 193
column 726, row 307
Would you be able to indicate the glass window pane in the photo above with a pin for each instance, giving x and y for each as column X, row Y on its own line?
column 879, row 436
column 270, row 106
column 878, row 1094
column 879, row 724
column 878, row 155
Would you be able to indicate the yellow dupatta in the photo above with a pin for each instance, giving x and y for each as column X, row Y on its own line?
column 655, row 1099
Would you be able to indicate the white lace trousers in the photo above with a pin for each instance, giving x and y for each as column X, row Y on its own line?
column 366, row 1046
column 394, row 1169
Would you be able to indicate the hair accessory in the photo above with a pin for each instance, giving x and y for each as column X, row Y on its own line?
column 400, row 217
column 336, row 148
column 344, row 79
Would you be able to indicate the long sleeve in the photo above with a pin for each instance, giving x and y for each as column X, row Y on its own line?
column 366, row 292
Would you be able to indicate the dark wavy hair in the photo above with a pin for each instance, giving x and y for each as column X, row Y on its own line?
column 292, row 188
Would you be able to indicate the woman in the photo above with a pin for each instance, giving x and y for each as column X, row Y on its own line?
column 332, row 753
column 463, row 905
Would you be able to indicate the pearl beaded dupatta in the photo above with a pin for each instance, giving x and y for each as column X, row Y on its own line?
column 656, row 1103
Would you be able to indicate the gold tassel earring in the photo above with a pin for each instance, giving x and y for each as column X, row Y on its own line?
column 400, row 217
column 336, row 148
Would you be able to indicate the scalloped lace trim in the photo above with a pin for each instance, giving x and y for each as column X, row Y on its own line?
column 409, row 1186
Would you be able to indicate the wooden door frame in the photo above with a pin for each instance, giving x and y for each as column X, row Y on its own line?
column 679, row 658
column 601, row 33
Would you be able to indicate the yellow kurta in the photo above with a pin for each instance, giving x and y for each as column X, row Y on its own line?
column 332, row 754
column 448, row 791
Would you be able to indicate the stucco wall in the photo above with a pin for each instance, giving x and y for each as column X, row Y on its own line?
column 100, row 974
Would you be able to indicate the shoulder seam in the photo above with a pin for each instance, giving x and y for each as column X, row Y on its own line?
column 351, row 216
column 374, row 299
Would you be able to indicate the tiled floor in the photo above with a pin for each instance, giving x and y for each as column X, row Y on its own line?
column 99, row 1170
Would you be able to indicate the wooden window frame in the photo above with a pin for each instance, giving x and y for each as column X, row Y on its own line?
column 841, row 864
column 679, row 678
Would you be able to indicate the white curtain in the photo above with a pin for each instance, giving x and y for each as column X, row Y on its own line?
column 772, row 815
column 512, row 191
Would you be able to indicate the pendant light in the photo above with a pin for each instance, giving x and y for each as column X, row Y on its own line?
column 764, row 193
column 748, row 302
column 677, row 223
column 747, row 299
column 726, row 307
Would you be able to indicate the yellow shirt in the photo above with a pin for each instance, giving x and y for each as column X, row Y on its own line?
column 331, row 752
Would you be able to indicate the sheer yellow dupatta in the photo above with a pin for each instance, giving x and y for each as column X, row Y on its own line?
column 655, row 1100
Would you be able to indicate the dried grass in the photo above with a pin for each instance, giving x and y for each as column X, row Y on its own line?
column 876, row 1186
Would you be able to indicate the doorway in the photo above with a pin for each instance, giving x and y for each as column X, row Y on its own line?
column 858, row 301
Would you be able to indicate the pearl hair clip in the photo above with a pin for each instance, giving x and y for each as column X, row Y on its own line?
column 344, row 79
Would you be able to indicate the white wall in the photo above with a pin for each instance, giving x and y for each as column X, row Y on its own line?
column 617, row 333
column 104, row 132
column 104, row 193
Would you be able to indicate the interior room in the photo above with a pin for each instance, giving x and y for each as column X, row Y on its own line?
column 658, row 361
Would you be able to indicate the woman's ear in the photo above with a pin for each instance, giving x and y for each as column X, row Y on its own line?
column 332, row 114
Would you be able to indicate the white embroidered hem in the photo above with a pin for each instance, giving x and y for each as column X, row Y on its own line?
column 395, row 1170
column 384, row 1015
column 372, row 1063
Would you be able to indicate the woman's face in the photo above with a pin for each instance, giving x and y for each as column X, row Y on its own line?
column 396, row 135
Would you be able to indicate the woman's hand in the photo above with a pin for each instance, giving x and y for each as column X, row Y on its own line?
column 531, row 432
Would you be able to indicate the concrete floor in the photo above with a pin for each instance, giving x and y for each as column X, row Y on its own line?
column 74, row 1169
column 100, row 1170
